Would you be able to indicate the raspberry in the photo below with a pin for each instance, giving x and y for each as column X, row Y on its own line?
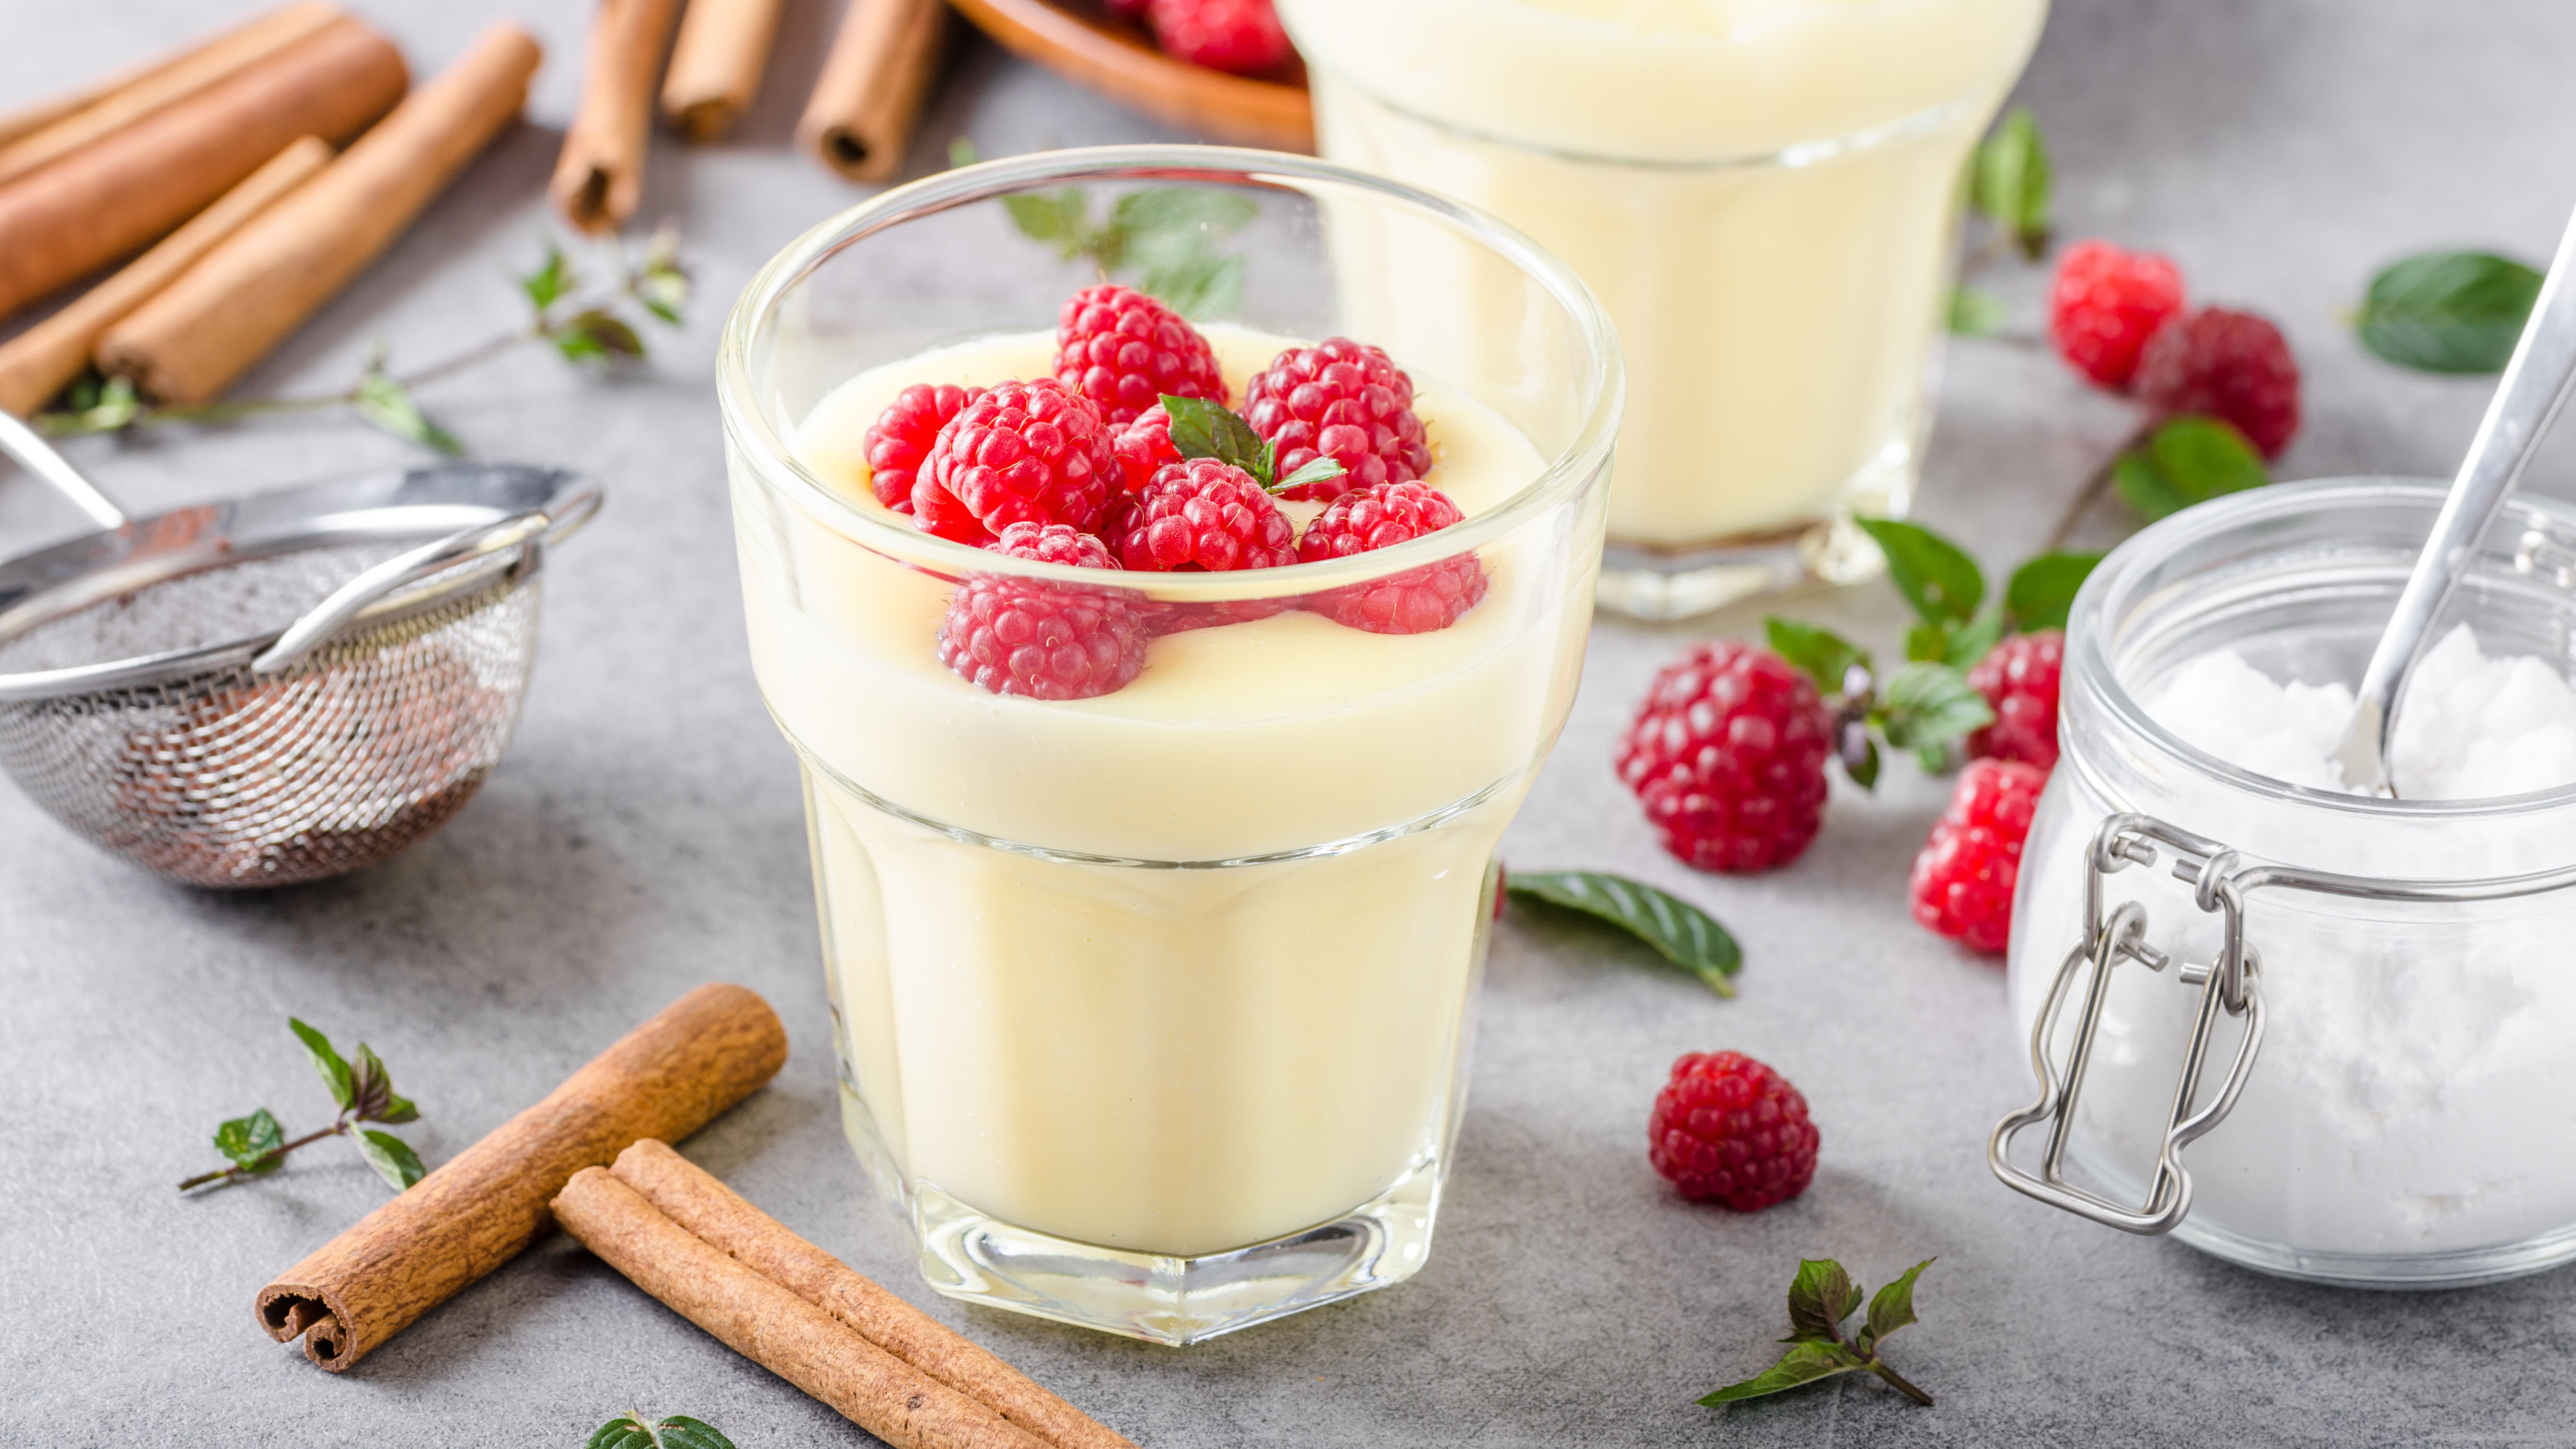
column 901, row 437
column 1024, row 452
column 1730, row 1130
column 2229, row 365
column 1055, row 543
column 2104, row 306
column 1144, row 446
column 1728, row 756
column 1201, row 515
column 1122, row 349
column 1963, row 880
column 1383, row 515
column 1041, row 639
column 2018, row 677
column 1242, row 36
column 1343, row 398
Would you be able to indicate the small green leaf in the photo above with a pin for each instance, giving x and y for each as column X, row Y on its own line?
column 389, row 405
column 1200, row 285
column 1061, row 217
column 1892, row 1308
column 371, row 1091
column 1820, row 1298
column 631, row 1431
column 2043, row 590
column 2011, row 182
column 1326, row 466
column 326, row 1060
column 1976, row 313
column 1927, row 643
column 245, row 1140
column 2188, row 460
column 1804, row 1363
column 1820, row 654
column 398, row 1110
column 2449, row 312
column 1203, row 429
column 1184, row 212
column 1934, row 575
column 1863, row 768
column 626, row 1431
column 682, row 1432
column 392, row 1158
column 961, row 152
column 1686, row 935
column 550, row 282
column 1964, row 645
column 1925, row 706
column 597, row 333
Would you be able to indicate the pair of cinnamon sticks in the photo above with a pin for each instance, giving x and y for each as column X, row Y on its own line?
column 224, row 152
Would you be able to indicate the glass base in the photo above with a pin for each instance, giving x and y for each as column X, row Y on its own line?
column 1680, row 583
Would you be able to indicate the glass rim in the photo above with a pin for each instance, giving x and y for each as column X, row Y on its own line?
column 2110, row 582
column 1583, row 460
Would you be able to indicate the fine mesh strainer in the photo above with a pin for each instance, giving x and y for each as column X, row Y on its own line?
column 282, row 687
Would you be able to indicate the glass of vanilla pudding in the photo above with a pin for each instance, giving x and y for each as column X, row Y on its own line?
column 1763, row 193
column 2325, row 1035
column 1153, row 831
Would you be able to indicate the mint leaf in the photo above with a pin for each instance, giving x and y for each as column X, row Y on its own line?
column 2010, row 183
column 326, row 1060
column 1976, row 313
column 2043, row 590
column 392, row 1158
column 662, row 284
column 551, row 281
column 1931, row 572
column 1820, row 1298
column 246, row 1140
column 1965, row 644
column 597, row 334
column 1683, row 933
column 388, row 405
column 1804, row 1363
column 1323, row 467
column 1820, row 654
column 1202, row 429
column 1926, row 706
column 371, row 1091
column 2448, row 312
column 1862, row 763
column 1168, row 216
column 631, row 1431
column 1892, row 1308
column 1200, row 285
column 1062, row 218
column 2188, row 460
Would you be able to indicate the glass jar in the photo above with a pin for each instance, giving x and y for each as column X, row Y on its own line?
column 2326, row 1036
column 1152, row 1007
column 1765, row 199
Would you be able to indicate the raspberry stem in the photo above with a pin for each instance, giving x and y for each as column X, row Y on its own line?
column 2093, row 489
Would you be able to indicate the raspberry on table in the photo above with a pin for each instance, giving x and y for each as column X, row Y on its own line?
column 1383, row 515
column 1243, row 36
column 1963, row 881
column 1024, row 452
column 1144, row 446
column 1042, row 639
column 1343, row 399
column 1200, row 514
column 2230, row 365
column 901, row 437
column 1729, row 1130
column 2105, row 304
column 1122, row 349
column 2019, row 678
column 1727, row 754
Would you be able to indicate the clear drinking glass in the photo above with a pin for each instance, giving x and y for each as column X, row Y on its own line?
column 1763, row 196
column 1153, row 1008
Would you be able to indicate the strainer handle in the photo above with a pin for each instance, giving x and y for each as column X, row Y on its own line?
column 324, row 620
column 37, row 456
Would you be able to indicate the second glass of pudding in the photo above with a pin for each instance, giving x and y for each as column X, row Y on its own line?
column 1153, row 1007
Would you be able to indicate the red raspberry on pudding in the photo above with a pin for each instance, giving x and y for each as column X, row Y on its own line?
column 1122, row 349
column 2105, row 304
column 1242, row 36
column 1341, row 399
column 1145, row 446
column 1729, row 1130
column 901, row 437
column 2019, row 678
column 1727, row 754
column 1055, row 543
column 1383, row 515
column 1024, row 452
column 1042, row 639
column 1201, row 514
column 2234, row 366
column 1963, row 881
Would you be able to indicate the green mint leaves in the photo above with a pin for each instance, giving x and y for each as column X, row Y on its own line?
column 2448, row 312
column 2009, row 182
column 1686, row 935
column 598, row 331
column 631, row 1430
column 1163, row 237
column 1923, row 707
column 2186, row 460
column 1203, row 429
column 388, row 405
column 363, row 1090
column 1821, row 1298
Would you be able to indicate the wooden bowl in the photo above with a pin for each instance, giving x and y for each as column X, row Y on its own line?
column 1086, row 45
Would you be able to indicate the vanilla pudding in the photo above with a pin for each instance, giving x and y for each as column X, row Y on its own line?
column 1184, row 967
column 1761, row 193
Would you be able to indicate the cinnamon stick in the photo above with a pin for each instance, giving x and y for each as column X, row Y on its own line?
column 227, row 311
column 599, row 178
column 695, row 1199
column 118, row 194
column 870, row 92
column 35, row 364
column 716, row 65
column 202, row 65
column 665, row 1079
column 773, row 1327
column 35, row 116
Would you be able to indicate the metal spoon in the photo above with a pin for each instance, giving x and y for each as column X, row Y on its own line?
column 2534, row 388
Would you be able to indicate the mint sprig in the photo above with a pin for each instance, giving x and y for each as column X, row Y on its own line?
column 2010, row 182
column 631, row 1430
column 2449, row 312
column 1923, row 707
column 1204, row 429
column 1821, row 1297
column 1685, row 935
column 1162, row 237
column 364, row 1092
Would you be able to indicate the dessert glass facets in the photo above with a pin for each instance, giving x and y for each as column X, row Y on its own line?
column 1153, row 1008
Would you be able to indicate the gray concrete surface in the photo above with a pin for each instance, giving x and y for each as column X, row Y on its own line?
column 644, row 835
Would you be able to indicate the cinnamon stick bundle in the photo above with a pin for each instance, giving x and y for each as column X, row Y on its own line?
column 716, row 65
column 716, row 1215
column 665, row 1079
column 118, row 194
column 202, row 65
column 37, row 363
column 860, row 116
column 599, row 177
column 227, row 311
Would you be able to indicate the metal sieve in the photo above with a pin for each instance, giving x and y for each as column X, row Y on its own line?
column 282, row 687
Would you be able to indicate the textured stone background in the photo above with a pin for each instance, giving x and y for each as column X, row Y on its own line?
column 644, row 835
